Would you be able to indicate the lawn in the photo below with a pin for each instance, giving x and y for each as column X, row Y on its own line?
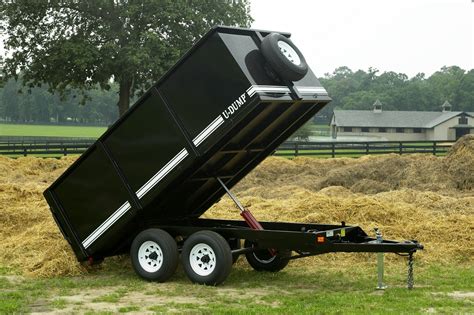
column 51, row 130
column 299, row 289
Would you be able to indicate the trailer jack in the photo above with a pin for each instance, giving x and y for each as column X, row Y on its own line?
column 380, row 262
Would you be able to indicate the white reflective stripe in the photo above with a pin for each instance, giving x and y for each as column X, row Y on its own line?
column 250, row 91
column 267, row 88
column 140, row 193
column 208, row 130
column 283, row 89
column 106, row 224
column 162, row 173
column 311, row 90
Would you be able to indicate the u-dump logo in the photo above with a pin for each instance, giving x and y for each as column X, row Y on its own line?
column 234, row 107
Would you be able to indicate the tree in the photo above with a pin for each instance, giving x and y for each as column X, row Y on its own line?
column 360, row 89
column 304, row 132
column 72, row 44
column 10, row 101
column 465, row 96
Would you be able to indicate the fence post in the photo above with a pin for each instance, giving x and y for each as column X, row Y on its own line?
column 366, row 148
column 400, row 148
column 296, row 148
column 434, row 147
column 24, row 151
column 333, row 149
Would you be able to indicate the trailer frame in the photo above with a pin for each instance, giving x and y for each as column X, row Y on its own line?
column 308, row 239
column 192, row 146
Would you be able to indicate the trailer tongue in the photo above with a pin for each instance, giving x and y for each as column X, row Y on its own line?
column 226, row 105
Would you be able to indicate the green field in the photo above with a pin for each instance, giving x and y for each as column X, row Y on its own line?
column 300, row 289
column 51, row 130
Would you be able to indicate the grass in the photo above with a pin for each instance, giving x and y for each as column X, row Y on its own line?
column 297, row 289
column 51, row 130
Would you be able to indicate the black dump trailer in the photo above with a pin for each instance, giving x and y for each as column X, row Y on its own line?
column 225, row 106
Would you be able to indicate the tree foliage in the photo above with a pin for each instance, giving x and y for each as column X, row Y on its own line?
column 349, row 90
column 38, row 105
column 360, row 89
column 70, row 44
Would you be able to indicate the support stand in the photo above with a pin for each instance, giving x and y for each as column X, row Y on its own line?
column 380, row 263
column 410, row 279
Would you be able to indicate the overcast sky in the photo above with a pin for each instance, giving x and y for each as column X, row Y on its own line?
column 408, row 36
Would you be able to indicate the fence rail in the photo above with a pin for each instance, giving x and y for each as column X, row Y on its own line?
column 65, row 146
column 35, row 146
column 333, row 149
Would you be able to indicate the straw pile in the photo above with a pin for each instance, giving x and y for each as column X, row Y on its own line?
column 409, row 197
column 460, row 163
column 444, row 224
column 30, row 238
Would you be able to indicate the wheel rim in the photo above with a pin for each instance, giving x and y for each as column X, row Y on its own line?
column 150, row 256
column 289, row 53
column 202, row 259
column 265, row 257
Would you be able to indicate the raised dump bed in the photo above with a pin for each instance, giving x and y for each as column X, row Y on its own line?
column 228, row 103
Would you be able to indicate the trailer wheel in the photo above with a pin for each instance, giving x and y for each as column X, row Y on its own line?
column 154, row 255
column 262, row 259
column 284, row 57
column 206, row 258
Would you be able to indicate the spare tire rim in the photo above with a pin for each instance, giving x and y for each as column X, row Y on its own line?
column 202, row 259
column 150, row 256
column 289, row 53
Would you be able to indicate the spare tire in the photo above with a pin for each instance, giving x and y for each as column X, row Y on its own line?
column 284, row 57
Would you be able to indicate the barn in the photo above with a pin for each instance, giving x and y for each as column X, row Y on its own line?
column 402, row 125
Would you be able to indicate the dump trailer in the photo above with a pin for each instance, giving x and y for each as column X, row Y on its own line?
column 142, row 187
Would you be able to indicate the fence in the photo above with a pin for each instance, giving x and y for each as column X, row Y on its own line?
column 333, row 149
column 65, row 146
column 43, row 145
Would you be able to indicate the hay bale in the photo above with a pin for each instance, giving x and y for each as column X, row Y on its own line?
column 401, row 214
column 460, row 162
column 370, row 186
column 414, row 196
column 369, row 174
column 31, row 241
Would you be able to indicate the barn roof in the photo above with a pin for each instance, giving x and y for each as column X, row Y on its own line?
column 392, row 119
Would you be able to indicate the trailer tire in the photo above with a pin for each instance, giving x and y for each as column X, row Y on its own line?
column 262, row 260
column 163, row 260
column 206, row 258
column 284, row 57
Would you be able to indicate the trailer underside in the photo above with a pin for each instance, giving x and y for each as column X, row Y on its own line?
column 304, row 238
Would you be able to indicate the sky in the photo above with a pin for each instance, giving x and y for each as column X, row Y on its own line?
column 408, row 36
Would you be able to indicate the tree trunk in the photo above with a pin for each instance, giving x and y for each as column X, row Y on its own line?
column 124, row 95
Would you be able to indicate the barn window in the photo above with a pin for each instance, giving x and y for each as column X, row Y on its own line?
column 364, row 129
column 399, row 130
column 463, row 120
column 347, row 129
column 382, row 129
column 417, row 130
